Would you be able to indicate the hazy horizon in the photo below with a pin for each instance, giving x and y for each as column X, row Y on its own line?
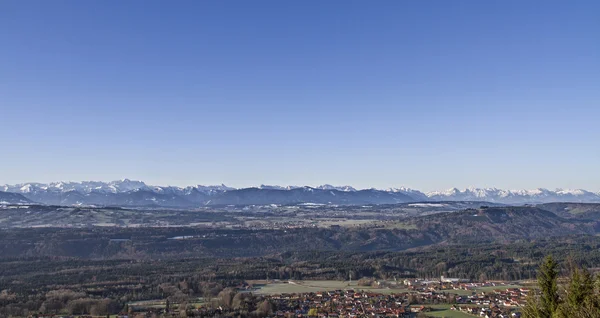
column 428, row 95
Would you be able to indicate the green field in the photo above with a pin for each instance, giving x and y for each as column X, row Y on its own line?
column 480, row 289
column 445, row 311
column 307, row 286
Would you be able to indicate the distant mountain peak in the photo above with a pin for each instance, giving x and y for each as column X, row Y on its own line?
column 221, row 187
column 276, row 187
column 539, row 195
column 339, row 188
column 99, row 192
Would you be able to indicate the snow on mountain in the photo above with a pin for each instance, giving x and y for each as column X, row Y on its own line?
column 118, row 186
column 270, row 187
column 26, row 188
column 339, row 188
column 55, row 192
column 446, row 193
column 213, row 188
column 127, row 185
column 276, row 187
column 321, row 187
column 573, row 192
column 210, row 189
column 21, row 188
column 539, row 195
column 418, row 195
column 124, row 185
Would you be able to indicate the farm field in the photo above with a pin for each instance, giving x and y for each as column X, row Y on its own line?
column 307, row 286
column 445, row 311
column 481, row 289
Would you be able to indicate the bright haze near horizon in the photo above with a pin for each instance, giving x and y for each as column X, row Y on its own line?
column 425, row 94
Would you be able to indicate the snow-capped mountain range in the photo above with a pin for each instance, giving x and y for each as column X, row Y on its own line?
column 321, row 187
column 539, row 195
column 131, row 193
column 119, row 186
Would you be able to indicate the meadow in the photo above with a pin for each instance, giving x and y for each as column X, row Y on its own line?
column 307, row 286
column 445, row 311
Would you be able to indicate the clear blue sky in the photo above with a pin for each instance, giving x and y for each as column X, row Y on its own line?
column 427, row 94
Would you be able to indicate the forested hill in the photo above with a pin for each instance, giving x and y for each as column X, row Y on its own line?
column 502, row 224
column 573, row 210
column 494, row 224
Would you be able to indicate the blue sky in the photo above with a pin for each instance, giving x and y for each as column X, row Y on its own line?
column 426, row 94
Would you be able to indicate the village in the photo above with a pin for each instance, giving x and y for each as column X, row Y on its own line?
column 420, row 298
column 350, row 303
column 425, row 296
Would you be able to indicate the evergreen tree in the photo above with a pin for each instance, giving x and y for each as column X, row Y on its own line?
column 581, row 301
column 580, row 288
column 532, row 308
column 545, row 305
column 547, row 281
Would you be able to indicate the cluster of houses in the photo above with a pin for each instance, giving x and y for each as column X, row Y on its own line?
column 501, row 295
column 489, row 300
column 350, row 303
column 448, row 283
column 499, row 303
column 493, row 311
column 343, row 303
column 509, row 297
